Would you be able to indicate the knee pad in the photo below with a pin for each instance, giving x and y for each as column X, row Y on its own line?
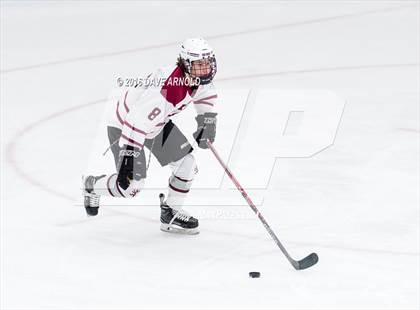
column 184, row 171
column 185, row 168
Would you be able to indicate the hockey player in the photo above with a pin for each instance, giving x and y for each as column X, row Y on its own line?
column 142, row 118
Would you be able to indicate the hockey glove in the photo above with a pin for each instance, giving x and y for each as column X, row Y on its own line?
column 206, row 129
column 132, row 165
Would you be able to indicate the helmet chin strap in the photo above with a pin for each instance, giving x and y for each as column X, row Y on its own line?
column 206, row 79
column 200, row 80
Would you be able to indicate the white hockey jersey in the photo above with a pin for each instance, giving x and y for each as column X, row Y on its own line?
column 142, row 112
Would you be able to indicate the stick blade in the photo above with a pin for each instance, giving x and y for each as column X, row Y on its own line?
column 307, row 262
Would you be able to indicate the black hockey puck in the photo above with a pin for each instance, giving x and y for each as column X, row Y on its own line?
column 254, row 274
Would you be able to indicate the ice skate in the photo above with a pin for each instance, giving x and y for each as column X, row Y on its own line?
column 176, row 221
column 91, row 199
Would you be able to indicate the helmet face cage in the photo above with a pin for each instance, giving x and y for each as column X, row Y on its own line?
column 206, row 79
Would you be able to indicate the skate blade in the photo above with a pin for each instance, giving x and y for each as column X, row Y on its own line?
column 178, row 230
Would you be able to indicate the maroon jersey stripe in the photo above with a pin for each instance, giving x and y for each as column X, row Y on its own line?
column 134, row 128
column 207, row 98
column 184, row 180
column 179, row 190
column 125, row 102
column 203, row 102
column 131, row 140
column 118, row 114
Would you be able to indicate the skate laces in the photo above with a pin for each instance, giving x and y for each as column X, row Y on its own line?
column 93, row 200
column 181, row 214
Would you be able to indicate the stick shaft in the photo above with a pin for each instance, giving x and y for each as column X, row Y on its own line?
column 250, row 203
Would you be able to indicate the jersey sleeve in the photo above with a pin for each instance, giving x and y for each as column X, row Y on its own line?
column 206, row 99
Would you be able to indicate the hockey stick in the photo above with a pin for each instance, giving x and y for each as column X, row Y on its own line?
column 304, row 263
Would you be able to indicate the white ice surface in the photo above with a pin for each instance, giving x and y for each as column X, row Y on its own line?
column 356, row 203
